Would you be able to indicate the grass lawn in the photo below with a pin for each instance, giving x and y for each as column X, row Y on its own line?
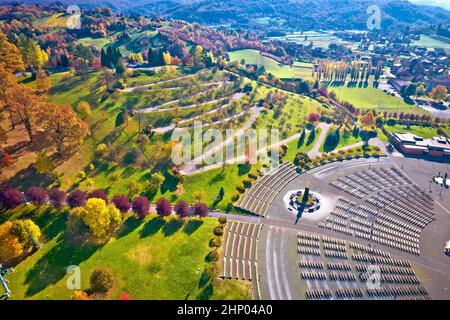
column 343, row 142
column 425, row 132
column 295, row 147
column 293, row 115
column 298, row 70
column 373, row 98
column 209, row 183
column 150, row 259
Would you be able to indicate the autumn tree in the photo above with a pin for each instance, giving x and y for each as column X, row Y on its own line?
column 7, row 81
column 368, row 120
column 32, row 53
column 163, row 207
column 439, row 93
column 62, row 125
column 18, row 237
column 10, row 55
column 22, row 101
column 122, row 203
column 101, row 280
column 10, row 246
column 27, row 232
column 11, row 198
column 43, row 82
column 182, row 209
column 141, row 206
column 57, row 198
column 102, row 219
column 37, row 195
column 200, row 209
column 77, row 198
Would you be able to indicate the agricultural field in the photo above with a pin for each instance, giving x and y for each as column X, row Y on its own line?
column 431, row 42
column 373, row 98
column 319, row 39
column 298, row 70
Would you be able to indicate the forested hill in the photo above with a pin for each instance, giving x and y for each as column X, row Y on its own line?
column 298, row 14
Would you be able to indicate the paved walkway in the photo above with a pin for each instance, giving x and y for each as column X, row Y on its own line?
column 314, row 152
column 130, row 89
column 191, row 168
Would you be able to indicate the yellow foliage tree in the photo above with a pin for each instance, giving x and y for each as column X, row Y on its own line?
column 10, row 55
column 10, row 246
column 84, row 110
column 43, row 82
column 101, row 219
column 27, row 232
column 167, row 58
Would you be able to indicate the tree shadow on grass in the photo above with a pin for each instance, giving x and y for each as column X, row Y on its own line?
column 152, row 227
column 206, row 293
column 191, row 226
column 172, row 226
column 29, row 177
column 204, row 279
column 52, row 267
column 218, row 177
column 244, row 168
column 129, row 225
column 170, row 183
column 51, row 223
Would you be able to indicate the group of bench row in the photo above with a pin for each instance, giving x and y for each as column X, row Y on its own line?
column 259, row 197
column 239, row 253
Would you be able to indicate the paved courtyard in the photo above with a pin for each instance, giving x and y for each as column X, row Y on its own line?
column 278, row 264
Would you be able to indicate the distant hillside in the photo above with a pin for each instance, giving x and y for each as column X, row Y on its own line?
column 299, row 14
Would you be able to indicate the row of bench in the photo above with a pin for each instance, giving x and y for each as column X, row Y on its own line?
column 259, row 197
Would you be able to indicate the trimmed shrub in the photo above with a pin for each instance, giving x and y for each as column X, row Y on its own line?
column 235, row 198
column 218, row 231
column 215, row 243
column 213, row 256
column 247, row 183
column 222, row 220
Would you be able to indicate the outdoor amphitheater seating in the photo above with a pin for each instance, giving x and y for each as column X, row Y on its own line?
column 258, row 198
column 239, row 253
